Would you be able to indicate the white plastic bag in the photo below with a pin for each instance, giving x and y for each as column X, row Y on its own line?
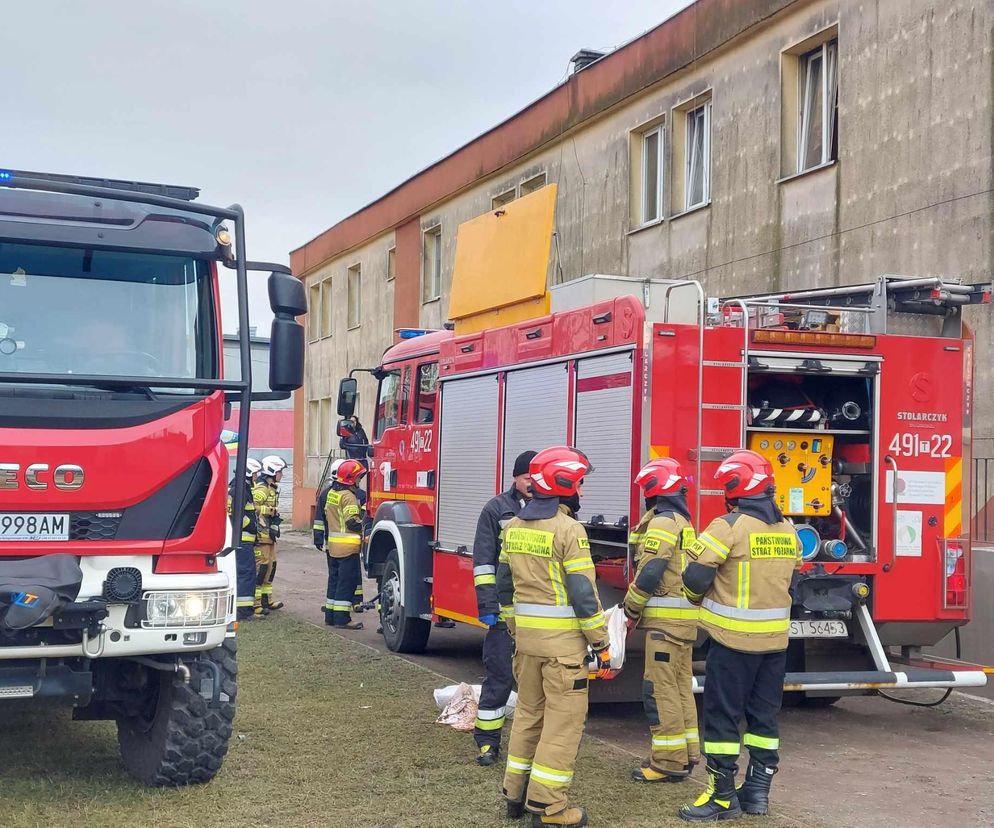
column 617, row 632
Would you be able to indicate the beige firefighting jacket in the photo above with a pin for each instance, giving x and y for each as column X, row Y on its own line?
column 556, row 611
column 655, row 598
column 340, row 506
column 266, row 499
column 747, row 607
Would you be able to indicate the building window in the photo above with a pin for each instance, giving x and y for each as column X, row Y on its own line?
column 427, row 392
column 391, row 264
column 532, row 184
column 652, row 175
column 326, row 308
column 697, row 178
column 324, row 427
column 314, row 312
column 355, row 296
column 818, row 96
column 431, row 280
column 500, row 200
column 314, row 419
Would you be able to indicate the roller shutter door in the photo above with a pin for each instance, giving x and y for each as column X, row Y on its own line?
column 467, row 457
column 535, row 406
column 604, row 388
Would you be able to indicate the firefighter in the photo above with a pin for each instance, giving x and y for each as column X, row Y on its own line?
column 318, row 530
column 655, row 603
column 545, row 584
column 266, row 495
column 740, row 571
column 245, row 555
column 343, row 536
column 497, row 643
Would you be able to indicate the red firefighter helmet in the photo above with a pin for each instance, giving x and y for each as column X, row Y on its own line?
column 557, row 471
column 745, row 473
column 349, row 472
column 662, row 476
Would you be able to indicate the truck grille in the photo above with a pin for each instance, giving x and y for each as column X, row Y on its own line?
column 97, row 526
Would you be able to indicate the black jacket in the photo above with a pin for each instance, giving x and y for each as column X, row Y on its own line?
column 356, row 444
column 486, row 547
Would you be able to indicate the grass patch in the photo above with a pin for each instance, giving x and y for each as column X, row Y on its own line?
column 328, row 733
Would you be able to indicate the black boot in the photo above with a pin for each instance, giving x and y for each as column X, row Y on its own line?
column 329, row 618
column 719, row 800
column 515, row 809
column 754, row 795
column 488, row 755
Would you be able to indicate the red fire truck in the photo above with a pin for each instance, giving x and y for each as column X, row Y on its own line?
column 861, row 397
column 116, row 573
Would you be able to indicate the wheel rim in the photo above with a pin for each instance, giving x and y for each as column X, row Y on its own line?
column 390, row 609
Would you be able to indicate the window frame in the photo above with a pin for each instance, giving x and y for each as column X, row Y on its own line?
column 828, row 53
column 690, row 116
column 659, row 131
column 354, row 271
column 528, row 185
column 431, row 291
column 314, row 437
column 327, row 308
column 499, row 200
column 315, row 312
column 418, row 391
column 391, row 263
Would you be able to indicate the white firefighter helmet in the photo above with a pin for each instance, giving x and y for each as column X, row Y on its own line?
column 252, row 467
column 272, row 465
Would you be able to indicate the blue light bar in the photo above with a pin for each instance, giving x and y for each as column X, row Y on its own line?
column 412, row 333
column 5, row 175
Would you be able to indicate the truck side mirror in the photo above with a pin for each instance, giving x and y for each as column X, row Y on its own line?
column 348, row 391
column 286, row 343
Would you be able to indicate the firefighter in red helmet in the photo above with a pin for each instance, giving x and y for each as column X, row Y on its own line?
column 343, row 535
column 655, row 602
column 545, row 583
column 740, row 571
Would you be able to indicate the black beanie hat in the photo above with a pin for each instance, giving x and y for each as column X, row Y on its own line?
column 522, row 463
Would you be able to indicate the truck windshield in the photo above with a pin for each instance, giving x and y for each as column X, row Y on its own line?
column 70, row 310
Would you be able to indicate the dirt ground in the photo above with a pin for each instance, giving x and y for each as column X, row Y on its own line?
column 864, row 762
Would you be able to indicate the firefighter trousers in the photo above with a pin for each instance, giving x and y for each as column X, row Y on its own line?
column 741, row 685
column 546, row 730
column 497, row 651
column 343, row 575
column 668, row 699
column 265, row 561
column 246, row 575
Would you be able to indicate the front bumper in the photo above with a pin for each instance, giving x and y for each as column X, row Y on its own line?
column 117, row 635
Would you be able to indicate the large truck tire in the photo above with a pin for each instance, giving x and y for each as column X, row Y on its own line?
column 184, row 740
column 402, row 633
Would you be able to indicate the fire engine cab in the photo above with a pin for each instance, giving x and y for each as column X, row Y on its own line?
column 860, row 396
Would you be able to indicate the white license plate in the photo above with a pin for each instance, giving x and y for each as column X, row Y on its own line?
column 25, row 526
column 818, row 629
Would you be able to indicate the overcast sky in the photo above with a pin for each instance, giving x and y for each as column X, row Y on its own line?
column 303, row 111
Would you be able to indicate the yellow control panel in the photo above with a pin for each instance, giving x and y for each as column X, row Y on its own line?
column 802, row 467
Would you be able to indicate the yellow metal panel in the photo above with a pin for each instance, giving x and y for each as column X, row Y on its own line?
column 802, row 468
column 502, row 260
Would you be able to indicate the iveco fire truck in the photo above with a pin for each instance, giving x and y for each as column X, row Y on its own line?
column 116, row 578
column 860, row 396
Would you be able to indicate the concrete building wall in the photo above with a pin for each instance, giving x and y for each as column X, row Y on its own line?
column 910, row 193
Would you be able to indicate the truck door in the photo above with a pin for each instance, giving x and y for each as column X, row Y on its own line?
column 926, row 386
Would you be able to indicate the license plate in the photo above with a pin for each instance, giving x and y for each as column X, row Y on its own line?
column 818, row 629
column 24, row 526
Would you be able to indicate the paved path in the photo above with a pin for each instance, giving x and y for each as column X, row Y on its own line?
column 865, row 762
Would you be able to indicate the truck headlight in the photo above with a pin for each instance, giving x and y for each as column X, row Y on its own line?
column 184, row 609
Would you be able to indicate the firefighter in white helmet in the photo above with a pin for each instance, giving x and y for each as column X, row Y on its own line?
column 740, row 571
column 266, row 495
column 245, row 555
column 545, row 583
column 655, row 602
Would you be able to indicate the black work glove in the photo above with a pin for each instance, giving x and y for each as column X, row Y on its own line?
column 319, row 539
